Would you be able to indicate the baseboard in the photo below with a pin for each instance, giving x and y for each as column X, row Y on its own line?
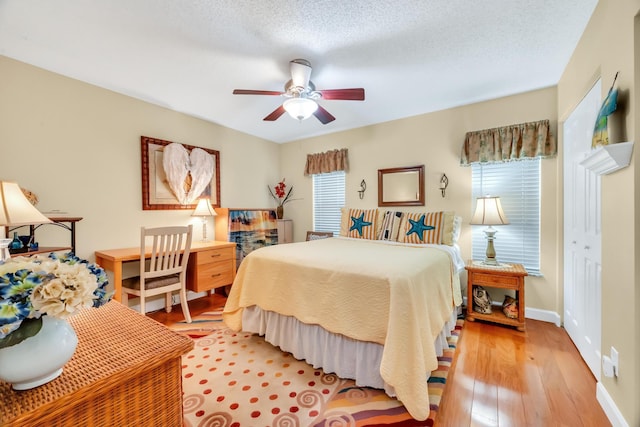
column 542, row 315
column 536, row 314
column 609, row 407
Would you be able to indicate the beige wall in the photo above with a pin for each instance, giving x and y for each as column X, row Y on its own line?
column 434, row 140
column 77, row 147
column 609, row 45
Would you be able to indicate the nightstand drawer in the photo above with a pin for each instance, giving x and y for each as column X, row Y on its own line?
column 214, row 255
column 494, row 279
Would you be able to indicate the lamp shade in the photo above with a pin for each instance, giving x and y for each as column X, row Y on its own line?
column 489, row 212
column 300, row 108
column 15, row 208
column 204, row 208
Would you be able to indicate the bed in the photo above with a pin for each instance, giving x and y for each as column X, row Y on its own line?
column 375, row 311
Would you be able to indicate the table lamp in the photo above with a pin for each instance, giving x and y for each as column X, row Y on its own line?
column 204, row 210
column 16, row 210
column 489, row 212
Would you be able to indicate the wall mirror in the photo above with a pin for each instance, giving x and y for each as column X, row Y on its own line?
column 401, row 186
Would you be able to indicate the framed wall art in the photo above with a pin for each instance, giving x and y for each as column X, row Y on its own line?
column 175, row 176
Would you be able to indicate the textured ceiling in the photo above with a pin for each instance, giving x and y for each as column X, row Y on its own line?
column 411, row 56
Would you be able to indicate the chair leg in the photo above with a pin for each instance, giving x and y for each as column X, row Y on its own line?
column 143, row 310
column 185, row 306
column 168, row 303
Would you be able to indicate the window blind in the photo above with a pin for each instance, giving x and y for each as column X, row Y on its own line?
column 518, row 185
column 328, row 199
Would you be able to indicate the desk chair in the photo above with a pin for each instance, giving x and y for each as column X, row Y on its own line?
column 315, row 235
column 166, row 270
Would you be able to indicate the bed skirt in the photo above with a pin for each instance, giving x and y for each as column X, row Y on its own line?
column 334, row 353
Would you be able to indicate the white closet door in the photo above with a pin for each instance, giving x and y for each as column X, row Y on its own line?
column 582, row 241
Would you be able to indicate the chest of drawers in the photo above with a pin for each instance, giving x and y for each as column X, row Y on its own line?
column 212, row 268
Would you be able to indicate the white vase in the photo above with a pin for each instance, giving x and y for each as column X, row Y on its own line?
column 40, row 358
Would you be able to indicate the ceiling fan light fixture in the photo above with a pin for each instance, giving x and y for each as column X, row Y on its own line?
column 300, row 108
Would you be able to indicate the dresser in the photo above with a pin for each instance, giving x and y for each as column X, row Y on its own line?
column 126, row 372
column 285, row 231
column 212, row 267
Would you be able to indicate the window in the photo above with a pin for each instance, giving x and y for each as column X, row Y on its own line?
column 328, row 198
column 518, row 185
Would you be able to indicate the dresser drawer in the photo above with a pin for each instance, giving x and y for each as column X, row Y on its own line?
column 211, row 268
column 216, row 273
column 214, row 255
column 508, row 282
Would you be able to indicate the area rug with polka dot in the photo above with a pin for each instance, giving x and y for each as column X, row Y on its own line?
column 237, row 379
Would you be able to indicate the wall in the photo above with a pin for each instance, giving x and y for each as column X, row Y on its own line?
column 434, row 140
column 77, row 147
column 608, row 45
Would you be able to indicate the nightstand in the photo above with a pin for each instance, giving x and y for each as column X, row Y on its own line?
column 505, row 276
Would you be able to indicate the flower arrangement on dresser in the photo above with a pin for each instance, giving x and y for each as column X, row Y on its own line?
column 37, row 294
column 281, row 196
column 53, row 285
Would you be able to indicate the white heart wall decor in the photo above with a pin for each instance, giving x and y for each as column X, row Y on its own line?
column 187, row 174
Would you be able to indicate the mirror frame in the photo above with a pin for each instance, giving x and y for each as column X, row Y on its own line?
column 383, row 172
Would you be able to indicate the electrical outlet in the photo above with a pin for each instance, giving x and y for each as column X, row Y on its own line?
column 615, row 359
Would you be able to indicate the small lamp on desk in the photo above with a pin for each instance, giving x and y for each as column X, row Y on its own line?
column 204, row 210
column 489, row 212
column 16, row 210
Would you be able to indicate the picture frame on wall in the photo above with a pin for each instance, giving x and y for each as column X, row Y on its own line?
column 156, row 191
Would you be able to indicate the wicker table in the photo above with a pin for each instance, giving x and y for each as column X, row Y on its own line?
column 126, row 371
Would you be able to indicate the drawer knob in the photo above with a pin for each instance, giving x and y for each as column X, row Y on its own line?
column 214, row 255
column 216, row 275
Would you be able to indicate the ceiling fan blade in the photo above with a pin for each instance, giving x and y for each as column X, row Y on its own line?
column 356, row 94
column 323, row 115
column 255, row 92
column 300, row 72
column 275, row 114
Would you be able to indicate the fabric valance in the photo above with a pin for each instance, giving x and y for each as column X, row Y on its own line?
column 330, row 161
column 503, row 144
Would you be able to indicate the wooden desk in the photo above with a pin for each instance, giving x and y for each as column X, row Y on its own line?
column 112, row 259
column 126, row 371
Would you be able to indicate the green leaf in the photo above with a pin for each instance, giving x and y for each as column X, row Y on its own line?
column 27, row 329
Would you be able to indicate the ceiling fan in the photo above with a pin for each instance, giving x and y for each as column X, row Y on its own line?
column 302, row 95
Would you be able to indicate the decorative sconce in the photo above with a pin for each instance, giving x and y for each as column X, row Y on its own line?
column 444, row 183
column 363, row 187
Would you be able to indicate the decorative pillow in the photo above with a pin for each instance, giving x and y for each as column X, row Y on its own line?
column 449, row 236
column 345, row 221
column 390, row 225
column 362, row 223
column 421, row 228
column 457, row 228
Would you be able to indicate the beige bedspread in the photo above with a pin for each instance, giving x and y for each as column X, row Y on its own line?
column 395, row 295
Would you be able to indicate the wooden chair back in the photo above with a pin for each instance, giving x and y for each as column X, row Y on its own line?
column 169, row 248
column 316, row 235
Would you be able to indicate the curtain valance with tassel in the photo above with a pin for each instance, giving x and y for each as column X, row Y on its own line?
column 330, row 161
column 515, row 142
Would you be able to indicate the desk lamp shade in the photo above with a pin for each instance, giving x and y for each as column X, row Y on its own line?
column 204, row 210
column 489, row 212
column 16, row 210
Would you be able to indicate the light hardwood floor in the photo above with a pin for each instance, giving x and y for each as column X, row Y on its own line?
column 501, row 377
